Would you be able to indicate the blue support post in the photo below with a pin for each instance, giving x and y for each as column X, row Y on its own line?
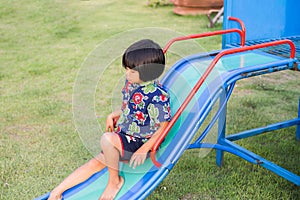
column 298, row 126
column 221, row 127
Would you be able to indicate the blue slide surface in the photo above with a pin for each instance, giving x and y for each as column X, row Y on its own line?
column 179, row 81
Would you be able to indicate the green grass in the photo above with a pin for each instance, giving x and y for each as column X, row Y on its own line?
column 42, row 47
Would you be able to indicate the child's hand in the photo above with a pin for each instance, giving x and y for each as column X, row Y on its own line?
column 111, row 120
column 109, row 123
column 138, row 158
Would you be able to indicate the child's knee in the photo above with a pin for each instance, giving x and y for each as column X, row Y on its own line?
column 107, row 139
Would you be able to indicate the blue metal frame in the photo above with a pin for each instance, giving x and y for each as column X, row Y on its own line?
column 265, row 21
column 225, row 143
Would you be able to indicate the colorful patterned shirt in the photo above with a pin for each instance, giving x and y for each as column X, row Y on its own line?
column 144, row 107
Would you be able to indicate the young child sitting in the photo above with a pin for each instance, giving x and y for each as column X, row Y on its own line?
column 144, row 114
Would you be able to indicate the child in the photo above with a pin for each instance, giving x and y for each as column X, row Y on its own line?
column 144, row 114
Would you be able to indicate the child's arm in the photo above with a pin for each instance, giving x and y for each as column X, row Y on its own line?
column 110, row 120
column 140, row 155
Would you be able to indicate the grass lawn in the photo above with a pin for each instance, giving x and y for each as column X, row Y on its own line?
column 42, row 47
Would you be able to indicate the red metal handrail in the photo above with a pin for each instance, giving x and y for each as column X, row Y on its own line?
column 243, row 38
column 242, row 33
column 202, row 79
column 200, row 35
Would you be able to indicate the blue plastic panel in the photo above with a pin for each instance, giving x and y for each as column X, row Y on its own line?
column 263, row 19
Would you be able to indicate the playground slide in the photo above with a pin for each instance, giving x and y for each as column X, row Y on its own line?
column 179, row 81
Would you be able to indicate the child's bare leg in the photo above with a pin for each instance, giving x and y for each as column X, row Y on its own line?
column 111, row 146
column 79, row 175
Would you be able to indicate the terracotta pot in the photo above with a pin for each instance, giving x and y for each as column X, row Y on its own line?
column 194, row 7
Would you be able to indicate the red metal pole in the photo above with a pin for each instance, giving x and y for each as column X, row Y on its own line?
column 242, row 34
column 202, row 79
column 243, row 37
column 200, row 35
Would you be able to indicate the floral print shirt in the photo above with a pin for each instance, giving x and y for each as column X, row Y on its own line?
column 144, row 107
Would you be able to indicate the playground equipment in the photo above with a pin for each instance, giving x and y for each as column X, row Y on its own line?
column 197, row 83
column 266, row 21
column 273, row 22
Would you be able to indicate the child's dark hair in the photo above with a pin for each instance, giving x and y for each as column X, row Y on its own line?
column 146, row 57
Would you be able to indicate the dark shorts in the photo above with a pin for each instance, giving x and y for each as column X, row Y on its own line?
column 130, row 145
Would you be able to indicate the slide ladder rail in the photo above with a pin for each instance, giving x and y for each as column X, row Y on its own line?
column 242, row 27
column 202, row 79
column 242, row 34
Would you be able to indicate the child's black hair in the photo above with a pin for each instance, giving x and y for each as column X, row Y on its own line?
column 146, row 57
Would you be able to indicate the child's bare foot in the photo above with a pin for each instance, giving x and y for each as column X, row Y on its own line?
column 112, row 190
column 54, row 196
